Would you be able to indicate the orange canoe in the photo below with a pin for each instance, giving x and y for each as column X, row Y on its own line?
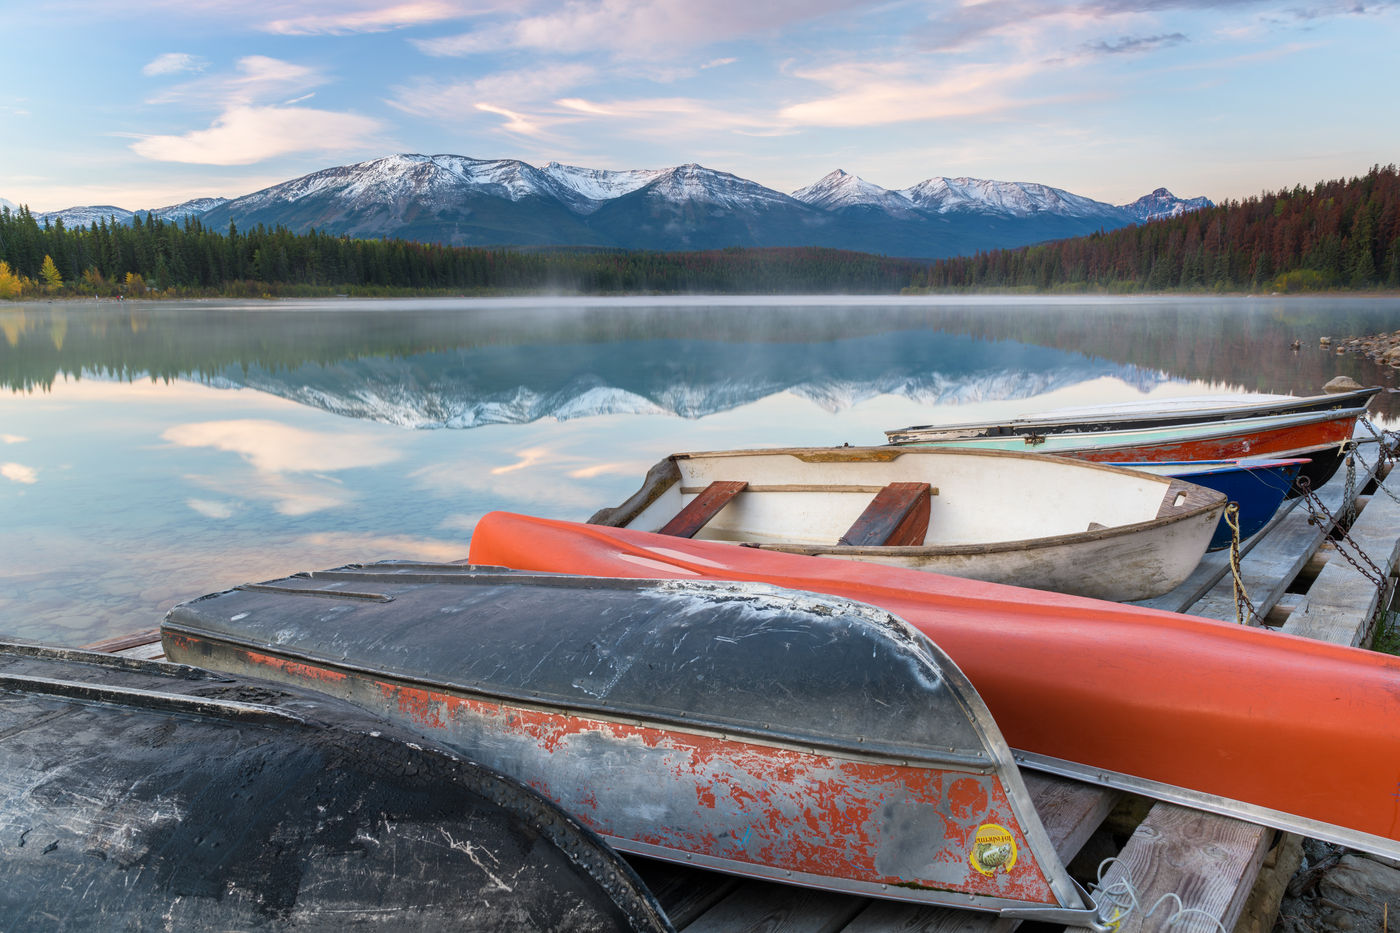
column 1274, row 729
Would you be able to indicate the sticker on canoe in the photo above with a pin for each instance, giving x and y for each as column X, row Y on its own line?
column 993, row 849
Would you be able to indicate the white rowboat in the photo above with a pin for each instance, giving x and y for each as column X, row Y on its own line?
column 1025, row 519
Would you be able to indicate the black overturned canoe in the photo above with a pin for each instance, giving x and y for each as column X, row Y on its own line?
column 140, row 796
column 736, row 727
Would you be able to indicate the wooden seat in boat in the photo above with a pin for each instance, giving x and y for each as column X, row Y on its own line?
column 897, row 516
column 702, row 508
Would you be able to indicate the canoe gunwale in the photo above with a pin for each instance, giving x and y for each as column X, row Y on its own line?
column 974, row 762
column 1212, row 803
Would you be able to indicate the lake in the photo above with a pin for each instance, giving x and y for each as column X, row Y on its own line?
column 154, row 452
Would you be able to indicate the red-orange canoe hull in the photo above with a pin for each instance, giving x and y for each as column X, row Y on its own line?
column 1307, row 730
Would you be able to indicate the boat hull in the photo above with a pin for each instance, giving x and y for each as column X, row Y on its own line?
column 738, row 728
column 1278, row 730
column 1256, row 487
column 1253, row 437
column 1161, row 413
column 1041, row 522
column 155, row 796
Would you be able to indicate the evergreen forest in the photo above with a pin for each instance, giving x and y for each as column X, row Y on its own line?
column 1342, row 234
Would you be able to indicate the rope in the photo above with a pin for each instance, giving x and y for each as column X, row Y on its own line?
column 1123, row 898
column 1232, row 518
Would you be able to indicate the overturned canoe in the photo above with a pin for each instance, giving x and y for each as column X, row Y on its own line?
column 1157, row 413
column 1267, row 727
column 141, row 795
column 1043, row 522
column 1256, row 486
column 741, row 728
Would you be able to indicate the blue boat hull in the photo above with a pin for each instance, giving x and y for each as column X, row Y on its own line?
column 1257, row 486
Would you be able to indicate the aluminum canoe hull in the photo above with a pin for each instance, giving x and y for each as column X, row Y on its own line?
column 737, row 727
column 145, row 795
column 1279, row 730
column 1048, row 523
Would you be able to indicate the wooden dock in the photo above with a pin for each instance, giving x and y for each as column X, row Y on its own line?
column 1297, row 582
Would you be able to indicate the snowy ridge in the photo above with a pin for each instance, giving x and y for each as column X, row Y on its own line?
column 1161, row 204
column 598, row 184
column 1012, row 198
column 841, row 189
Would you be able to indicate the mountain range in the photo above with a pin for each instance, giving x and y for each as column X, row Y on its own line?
column 462, row 201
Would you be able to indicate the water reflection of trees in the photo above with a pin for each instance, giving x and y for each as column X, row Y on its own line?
column 1243, row 345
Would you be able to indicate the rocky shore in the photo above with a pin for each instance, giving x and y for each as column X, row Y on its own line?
column 1383, row 348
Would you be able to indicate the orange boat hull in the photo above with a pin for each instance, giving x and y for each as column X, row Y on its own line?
column 1307, row 730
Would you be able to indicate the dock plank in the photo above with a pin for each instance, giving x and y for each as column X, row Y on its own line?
column 1208, row 861
column 1341, row 603
column 1270, row 567
column 767, row 907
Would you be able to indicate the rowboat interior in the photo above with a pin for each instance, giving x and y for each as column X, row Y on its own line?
column 885, row 496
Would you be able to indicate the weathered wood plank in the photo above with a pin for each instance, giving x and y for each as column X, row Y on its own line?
column 123, row 643
column 897, row 516
column 702, row 508
column 764, row 907
column 1209, row 861
column 1341, row 603
column 1270, row 567
column 684, row 893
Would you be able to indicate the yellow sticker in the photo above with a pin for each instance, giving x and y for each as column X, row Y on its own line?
column 993, row 849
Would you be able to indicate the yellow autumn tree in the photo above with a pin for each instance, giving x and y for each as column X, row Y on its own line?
column 135, row 284
column 53, row 281
column 10, row 284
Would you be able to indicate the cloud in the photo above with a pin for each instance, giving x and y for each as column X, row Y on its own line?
column 636, row 28
column 504, row 92
column 877, row 93
column 209, row 509
column 956, row 27
column 256, row 78
column 172, row 63
column 272, row 447
column 19, row 473
column 243, row 135
column 1135, row 44
column 377, row 19
column 12, row 439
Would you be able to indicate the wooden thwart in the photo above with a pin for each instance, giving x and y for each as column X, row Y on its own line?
column 702, row 508
column 896, row 517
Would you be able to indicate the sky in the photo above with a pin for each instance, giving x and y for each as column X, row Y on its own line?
column 145, row 103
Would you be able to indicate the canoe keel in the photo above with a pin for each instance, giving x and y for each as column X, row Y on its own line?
column 948, row 824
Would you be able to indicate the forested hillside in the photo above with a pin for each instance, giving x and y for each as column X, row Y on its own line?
column 152, row 257
column 1337, row 234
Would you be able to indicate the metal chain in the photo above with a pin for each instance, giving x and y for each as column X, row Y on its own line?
column 1388, row 452
column 1317, row 511
column 1242, row 600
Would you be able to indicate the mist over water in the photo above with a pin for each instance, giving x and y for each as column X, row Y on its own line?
column 154, row 452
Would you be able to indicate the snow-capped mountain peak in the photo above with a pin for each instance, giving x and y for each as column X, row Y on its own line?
column 840, row 189
column 1161, row 204
column 1011, row 198
column 695, row 183
column 599, row 184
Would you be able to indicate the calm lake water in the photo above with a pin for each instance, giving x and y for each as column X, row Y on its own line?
column 154, row 452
